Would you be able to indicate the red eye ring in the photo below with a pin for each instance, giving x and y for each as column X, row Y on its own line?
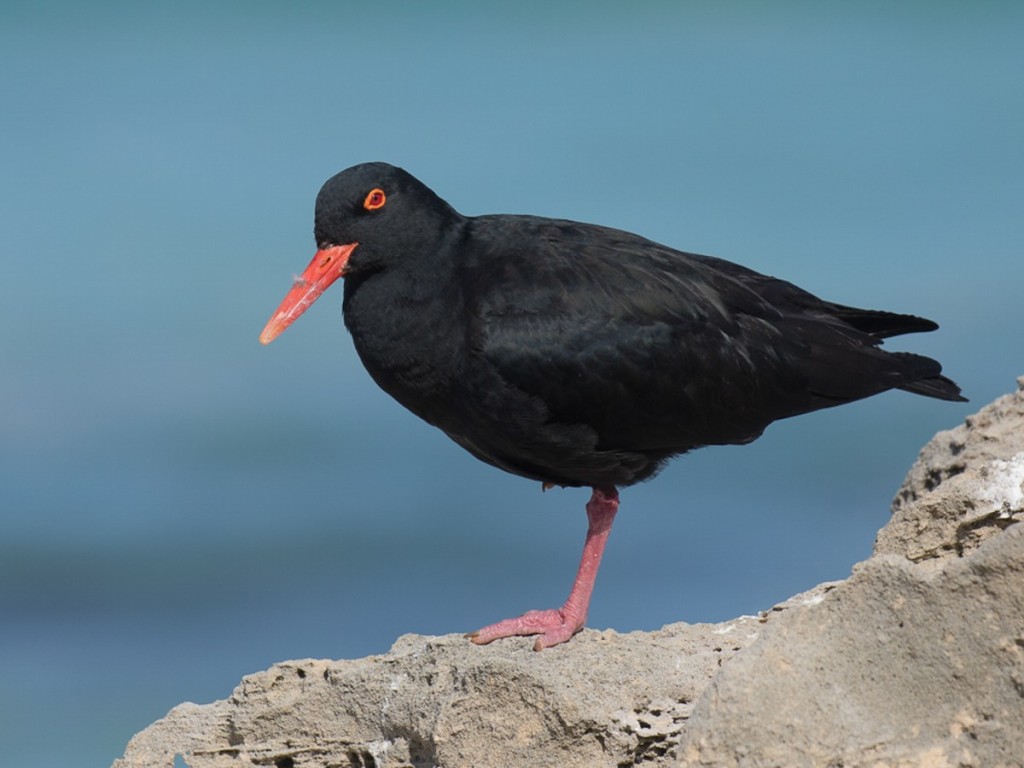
column 375, row 199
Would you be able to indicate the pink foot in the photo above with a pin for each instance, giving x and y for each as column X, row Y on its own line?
column 557, row 626
column 553, row 626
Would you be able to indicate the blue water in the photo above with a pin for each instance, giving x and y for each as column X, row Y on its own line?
column 181, row 506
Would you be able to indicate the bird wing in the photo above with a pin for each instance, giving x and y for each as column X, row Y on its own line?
column 652, row 348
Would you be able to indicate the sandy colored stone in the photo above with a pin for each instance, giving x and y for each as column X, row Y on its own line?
column 916, row 660
column 444, row 701
column 899, row 665
column 963, row 488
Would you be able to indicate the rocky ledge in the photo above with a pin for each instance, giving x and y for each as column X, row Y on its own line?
column 917, row 659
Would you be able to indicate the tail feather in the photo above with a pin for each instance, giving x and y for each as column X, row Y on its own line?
column 882, row 324
column 923, row 376
column 939, row 387
column 926, row 373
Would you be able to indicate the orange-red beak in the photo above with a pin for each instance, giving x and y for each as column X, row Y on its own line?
column 327, row 266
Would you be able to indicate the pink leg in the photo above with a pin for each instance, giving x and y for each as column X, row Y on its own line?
column 557, row 626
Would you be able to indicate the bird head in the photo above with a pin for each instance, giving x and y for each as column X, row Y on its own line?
column 367, row 218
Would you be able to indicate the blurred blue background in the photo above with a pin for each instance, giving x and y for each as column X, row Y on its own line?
column 181, row 506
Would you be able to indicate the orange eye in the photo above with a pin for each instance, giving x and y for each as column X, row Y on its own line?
column 375, row 200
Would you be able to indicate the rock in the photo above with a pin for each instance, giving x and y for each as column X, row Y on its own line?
column 964, row 487
column 899, row 665
column 992, row 433
column 445, row 702
column 916, row 660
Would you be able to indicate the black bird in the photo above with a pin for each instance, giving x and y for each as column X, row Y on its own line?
column 578, row 355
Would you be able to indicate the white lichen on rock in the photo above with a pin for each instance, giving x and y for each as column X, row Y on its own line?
column 1005, row 488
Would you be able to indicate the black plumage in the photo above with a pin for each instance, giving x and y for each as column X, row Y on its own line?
column 579, row 355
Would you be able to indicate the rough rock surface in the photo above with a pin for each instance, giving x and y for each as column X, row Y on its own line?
column 916, row 660
column 963, row 488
